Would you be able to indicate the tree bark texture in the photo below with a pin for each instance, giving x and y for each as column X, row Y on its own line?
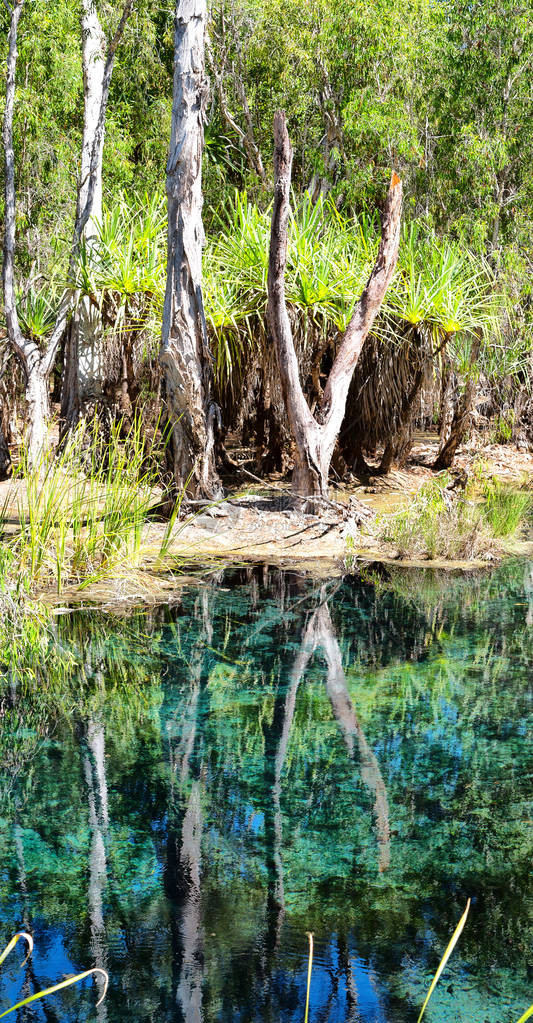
column 185, row 355
column 37, row 362
column 462, row 417
column 315, row 435
column 84, row 369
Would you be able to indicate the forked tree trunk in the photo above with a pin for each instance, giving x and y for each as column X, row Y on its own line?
column 315, row 435
column 344, row 713
column 185, row 355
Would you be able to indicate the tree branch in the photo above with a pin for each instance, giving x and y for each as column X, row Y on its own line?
column 245, row 137
column 278, row 318
column 333, row 402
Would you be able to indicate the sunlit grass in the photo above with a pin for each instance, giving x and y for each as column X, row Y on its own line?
column 437, row 523
column 81, row 515
column 506, row 508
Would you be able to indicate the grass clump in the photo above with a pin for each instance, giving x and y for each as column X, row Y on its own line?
column 81, row 515
column 438, row 523
column 505, row 508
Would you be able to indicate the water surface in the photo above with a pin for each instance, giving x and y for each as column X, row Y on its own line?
column 186, row 792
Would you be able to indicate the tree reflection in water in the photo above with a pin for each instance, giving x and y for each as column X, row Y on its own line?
column 267, row 757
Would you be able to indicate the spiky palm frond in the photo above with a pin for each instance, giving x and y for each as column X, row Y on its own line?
column 37, row 313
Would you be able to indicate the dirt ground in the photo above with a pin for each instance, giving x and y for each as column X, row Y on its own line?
column 262, row 525
column 257, row 521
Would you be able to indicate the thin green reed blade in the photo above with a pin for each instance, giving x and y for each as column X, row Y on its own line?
column 527, row 1015
column 309, row 969
column 454, row 939
column 57, row 987
column 13, row 942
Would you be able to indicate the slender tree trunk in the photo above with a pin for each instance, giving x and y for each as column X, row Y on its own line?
column 246, row 138
column 84, row 368
column 95, row 776
column 37, row 363
column 316, row 435
column 5, row 425
column 462, row 417
column 191, row 979
column 276, row 738
column 185, row 355
column 84, row 371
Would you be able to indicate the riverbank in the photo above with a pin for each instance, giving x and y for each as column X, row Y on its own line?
column 58, row 535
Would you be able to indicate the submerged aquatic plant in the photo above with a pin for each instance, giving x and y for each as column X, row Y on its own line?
column 94, row 971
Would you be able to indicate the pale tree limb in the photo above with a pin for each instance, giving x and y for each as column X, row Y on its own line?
column 315, row 435
column 352, row 732
column 37, row 363
column 246, row 138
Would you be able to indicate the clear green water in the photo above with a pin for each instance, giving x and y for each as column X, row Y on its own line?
column 204, row 783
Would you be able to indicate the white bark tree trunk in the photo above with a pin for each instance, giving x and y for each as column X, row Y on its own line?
column 316, row 435
column 90, row 334
column 94, row 767
column 93, row 45
column 38, row 399
column 191, row 980
column 185, row 355
column 352, row 732
column 84, row 371
column 36, row 362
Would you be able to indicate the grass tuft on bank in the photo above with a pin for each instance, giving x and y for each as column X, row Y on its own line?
column 439, row 523
column 80, row 515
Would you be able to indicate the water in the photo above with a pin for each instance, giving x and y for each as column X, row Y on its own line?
column 200, row 785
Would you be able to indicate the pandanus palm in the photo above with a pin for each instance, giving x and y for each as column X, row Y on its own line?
column 122, row 271
column 440, row 302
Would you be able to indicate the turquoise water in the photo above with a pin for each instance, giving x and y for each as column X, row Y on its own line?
column 186, row 792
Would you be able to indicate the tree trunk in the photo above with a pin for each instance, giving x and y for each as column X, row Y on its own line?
column 5, row 425
column 185, row 355
column 352, row 732
column 37, row 397
column 94, row 767
column 316, row 435
column 36, row 363
column 84, row 370
column 461, row 418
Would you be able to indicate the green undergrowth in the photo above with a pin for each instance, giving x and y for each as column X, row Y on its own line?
column 80, row 515
column 506, row 509
column 439, row 523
